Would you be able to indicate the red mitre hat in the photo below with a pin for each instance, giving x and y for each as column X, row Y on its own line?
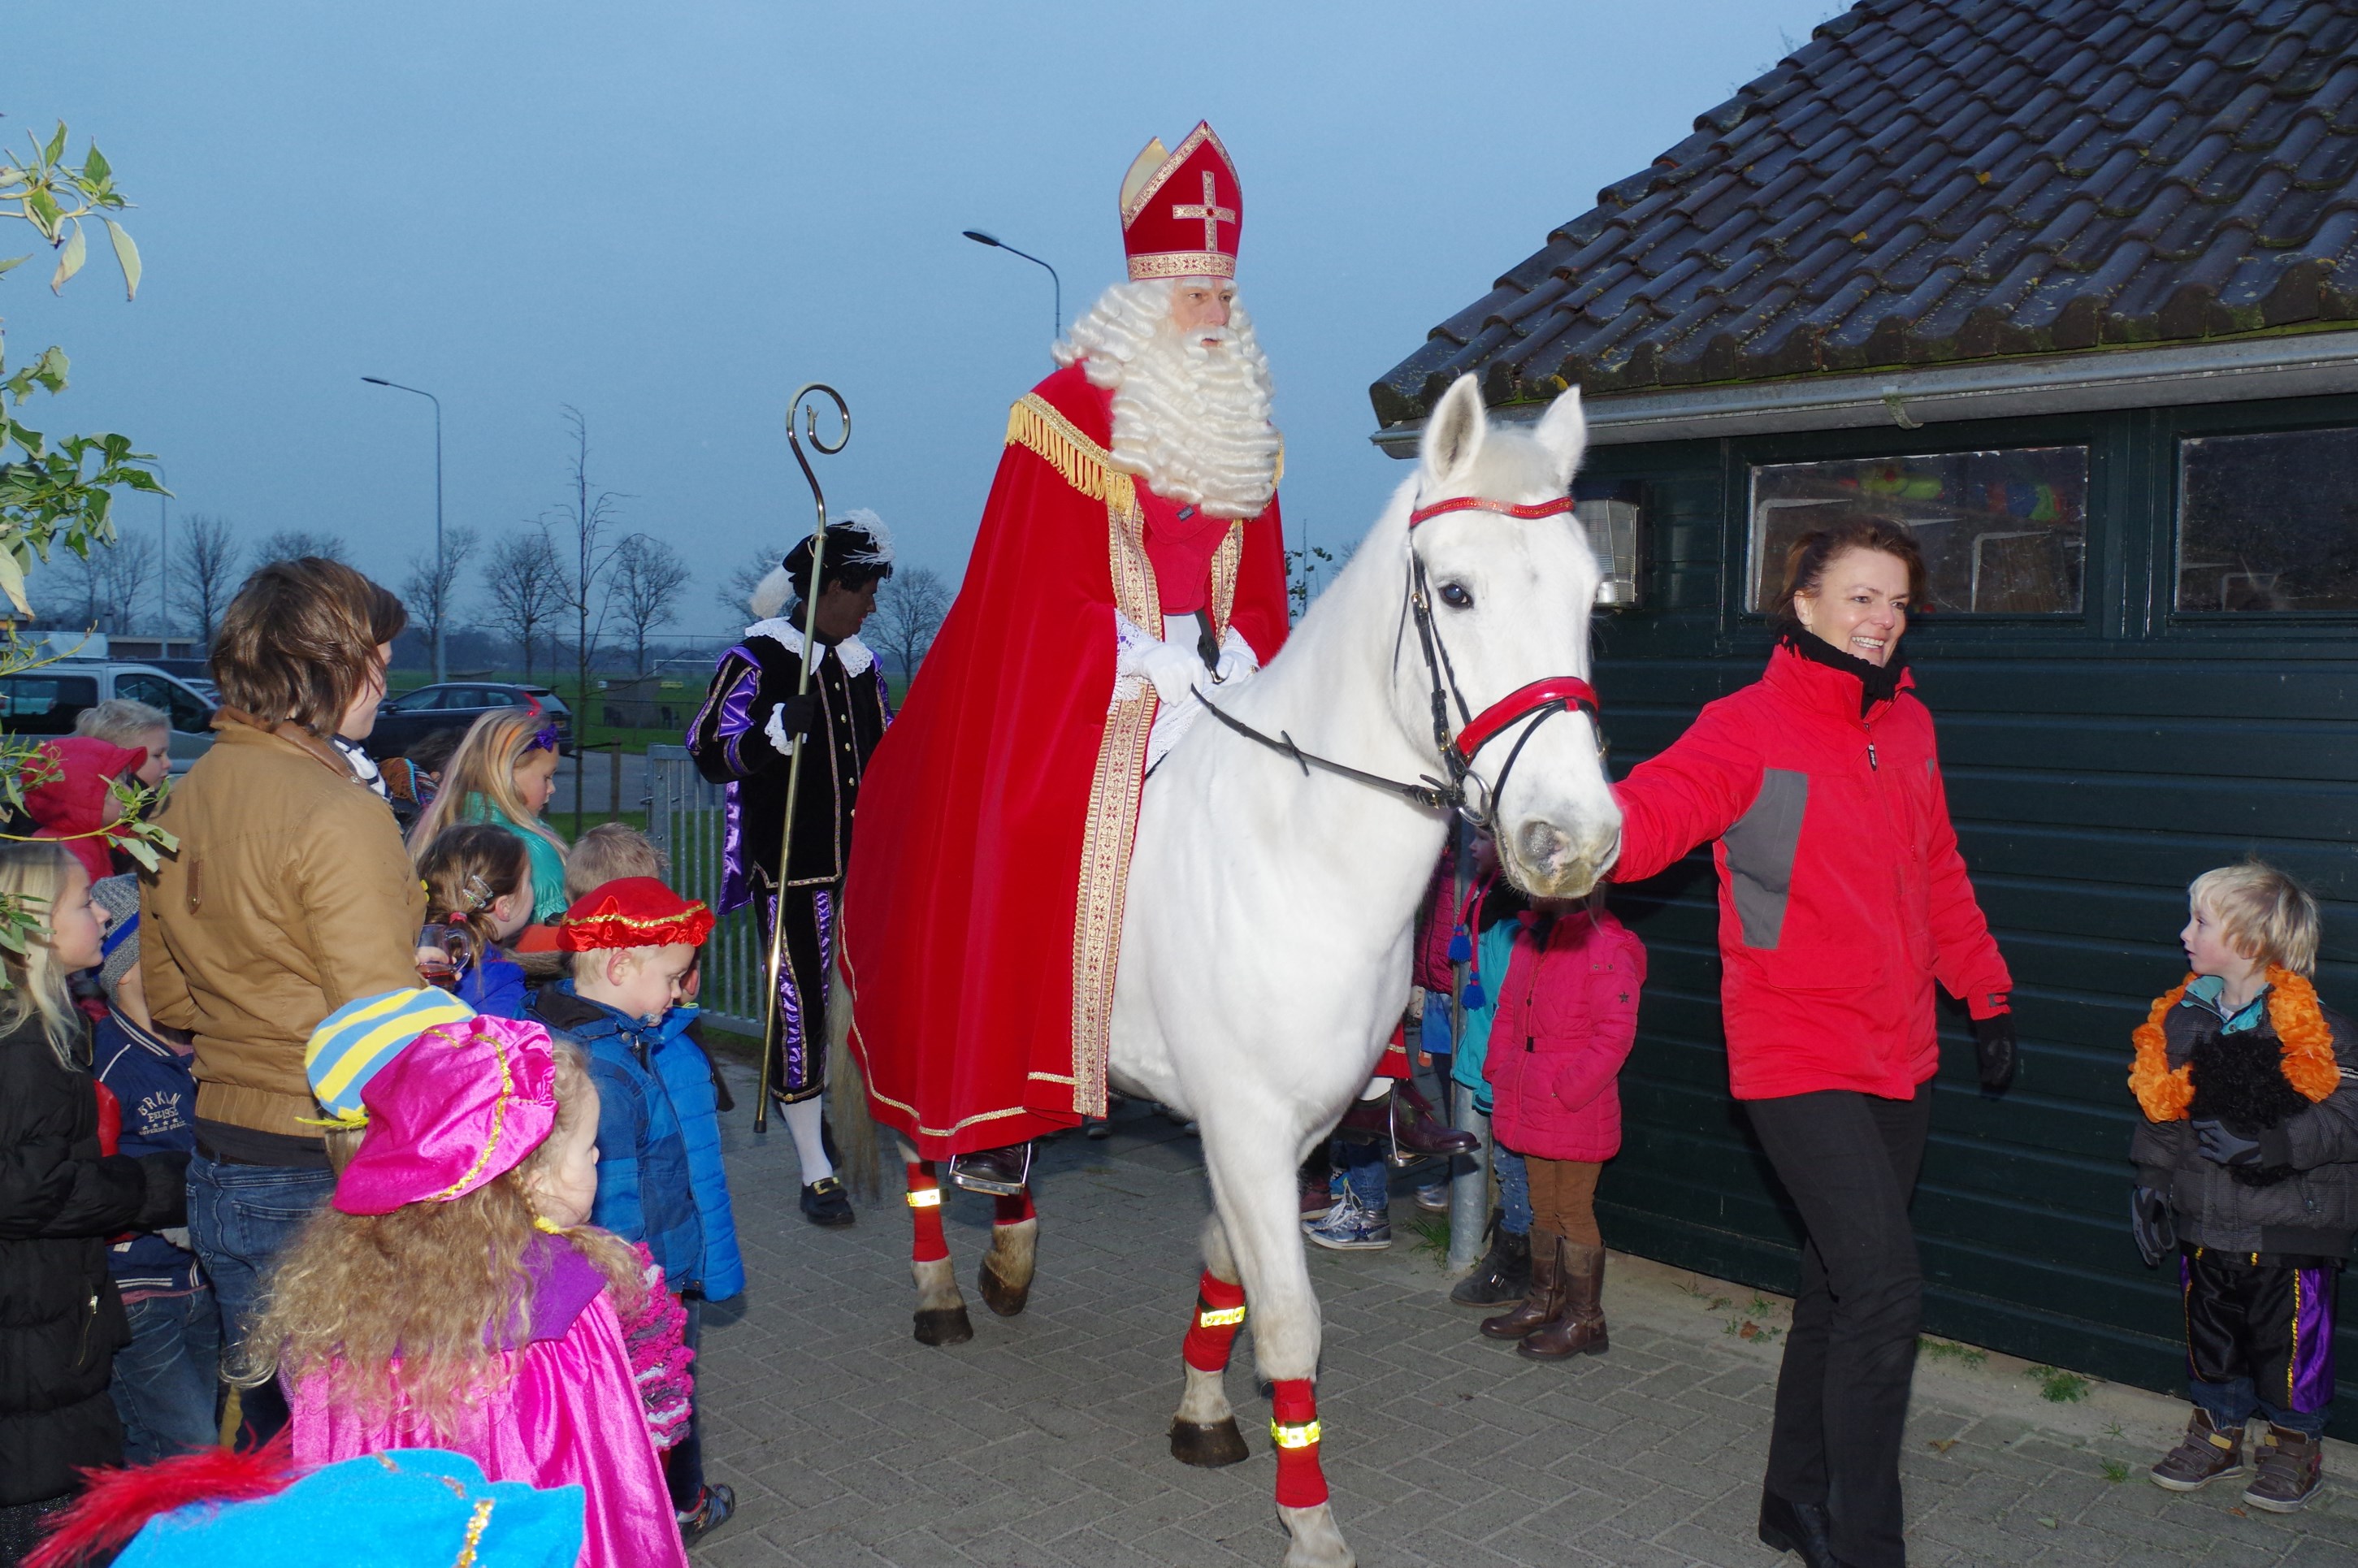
column 1182, row 211
column 633, row 912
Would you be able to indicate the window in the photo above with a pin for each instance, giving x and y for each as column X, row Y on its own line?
column 2004, row 533
column 43, row 703
column 189, row 716
column 2268, row 522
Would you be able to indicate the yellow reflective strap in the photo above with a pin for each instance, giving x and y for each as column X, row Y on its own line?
column 1302, row 1436
column 1220, row 1317
column 924, row 1197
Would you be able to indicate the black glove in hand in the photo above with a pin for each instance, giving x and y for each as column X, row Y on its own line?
column 794, row 716
column 1994, row 1050
column 2222, row 1145
column 2149, row 1222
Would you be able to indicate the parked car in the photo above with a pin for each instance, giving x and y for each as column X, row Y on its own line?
column 408, row 718
column 46, row 701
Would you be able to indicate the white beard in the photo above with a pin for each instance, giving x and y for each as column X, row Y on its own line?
column 1191, row 421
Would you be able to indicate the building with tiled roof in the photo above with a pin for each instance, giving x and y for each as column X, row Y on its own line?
column 2068, row 289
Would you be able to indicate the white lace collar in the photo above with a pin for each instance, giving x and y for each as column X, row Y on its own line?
column 855, row 655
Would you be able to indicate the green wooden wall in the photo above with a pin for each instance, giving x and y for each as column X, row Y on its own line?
column 2095, row 764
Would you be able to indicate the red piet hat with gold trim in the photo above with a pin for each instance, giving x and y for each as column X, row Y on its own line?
column 633, row 912
column 1183, row 212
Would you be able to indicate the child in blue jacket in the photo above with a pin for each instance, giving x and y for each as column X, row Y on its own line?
column 660, row 1179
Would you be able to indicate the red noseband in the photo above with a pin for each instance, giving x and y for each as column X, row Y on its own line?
column 1556, row 691
column 1559, row 505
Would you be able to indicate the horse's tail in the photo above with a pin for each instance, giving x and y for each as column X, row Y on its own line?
column 855, row 1129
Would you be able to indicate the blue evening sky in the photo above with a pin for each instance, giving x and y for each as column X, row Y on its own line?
column 672, row 215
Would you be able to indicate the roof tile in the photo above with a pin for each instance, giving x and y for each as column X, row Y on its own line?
column 1933, row 180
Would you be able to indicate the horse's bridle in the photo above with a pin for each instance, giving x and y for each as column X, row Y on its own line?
column 1534, row 703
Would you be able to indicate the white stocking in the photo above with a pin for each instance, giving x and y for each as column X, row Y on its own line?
column 801, row 1119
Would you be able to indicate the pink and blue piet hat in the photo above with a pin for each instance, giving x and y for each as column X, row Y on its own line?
column 464, row 1104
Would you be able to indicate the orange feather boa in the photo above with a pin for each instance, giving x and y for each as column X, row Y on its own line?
column 2302, row 1035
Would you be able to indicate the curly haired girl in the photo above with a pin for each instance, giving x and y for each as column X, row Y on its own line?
column 452, row 1297
column 502, row 773
column 478, row 886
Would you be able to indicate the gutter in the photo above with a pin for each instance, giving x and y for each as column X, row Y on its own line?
column 2304, row 364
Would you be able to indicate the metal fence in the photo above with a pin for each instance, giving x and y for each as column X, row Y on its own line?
column 684, row 819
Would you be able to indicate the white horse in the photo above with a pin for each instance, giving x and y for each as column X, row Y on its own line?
column 1265, row 943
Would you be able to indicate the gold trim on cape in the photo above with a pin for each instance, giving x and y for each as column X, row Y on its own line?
column 1035, row 425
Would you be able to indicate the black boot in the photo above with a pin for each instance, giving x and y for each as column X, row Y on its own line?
column 1504, row 1273
column 1800, row 1528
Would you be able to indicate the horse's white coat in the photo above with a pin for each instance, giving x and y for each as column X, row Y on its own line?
column 1265, row 942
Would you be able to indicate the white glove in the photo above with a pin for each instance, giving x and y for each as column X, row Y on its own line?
column 1143, row 656
column 1239, row 663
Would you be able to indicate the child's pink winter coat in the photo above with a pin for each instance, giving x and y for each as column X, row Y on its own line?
column 1567, row 1015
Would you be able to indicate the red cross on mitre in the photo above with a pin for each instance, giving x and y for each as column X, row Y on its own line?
column 1183, row 210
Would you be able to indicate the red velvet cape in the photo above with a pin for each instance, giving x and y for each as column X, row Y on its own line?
column 981, row 915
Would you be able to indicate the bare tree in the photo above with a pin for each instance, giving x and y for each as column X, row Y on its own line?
column 527, row 584
column 586, row 578
column 736, row 589
column 207, row 571
column 294, row 543
column 102, row 590
column 428, row 591
column 909, row 610
column 648, row 577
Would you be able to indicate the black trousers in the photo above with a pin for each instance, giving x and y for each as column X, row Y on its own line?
column 1849, row 1162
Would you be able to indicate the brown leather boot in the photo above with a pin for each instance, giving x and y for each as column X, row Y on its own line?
column 1579, row 1329
column 1545, row 1302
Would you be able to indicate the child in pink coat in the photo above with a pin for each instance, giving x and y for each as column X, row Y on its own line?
column 1567, row 1014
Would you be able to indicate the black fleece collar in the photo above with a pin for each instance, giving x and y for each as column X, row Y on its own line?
column 1877, row 683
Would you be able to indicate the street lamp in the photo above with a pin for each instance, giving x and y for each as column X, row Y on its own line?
column 441, row 576
column 995, row 242
column 164, row 571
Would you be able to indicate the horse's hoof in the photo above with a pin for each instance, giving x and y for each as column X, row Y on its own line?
column 1208, row 1444
column 1001, row 1297
column 1313, row 1542
column 943, row 1325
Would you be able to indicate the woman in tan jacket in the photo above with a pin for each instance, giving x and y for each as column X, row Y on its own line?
column 290, row 896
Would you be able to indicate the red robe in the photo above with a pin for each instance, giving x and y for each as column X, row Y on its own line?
column 982, row 914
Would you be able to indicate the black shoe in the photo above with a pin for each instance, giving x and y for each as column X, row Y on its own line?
column 1096, row 1128
column 1001, row 1172
column 824, row 1204
column 1504, row 1274
column 1802, row 1528
column 711, row 1511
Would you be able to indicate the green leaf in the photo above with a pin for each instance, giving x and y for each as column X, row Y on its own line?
column 140, row 851
column 43, row 210
column 56, row 147
column 70, row 260
column 126, row 255
column 13, row 261
column 96, row 168
column 12, row 582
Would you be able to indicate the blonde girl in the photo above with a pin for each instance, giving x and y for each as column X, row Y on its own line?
column 494, row 1322
column 479, row 881
column 502, row 773
column 61, row 1319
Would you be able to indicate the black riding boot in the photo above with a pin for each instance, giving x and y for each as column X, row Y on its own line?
column 1503, row 1274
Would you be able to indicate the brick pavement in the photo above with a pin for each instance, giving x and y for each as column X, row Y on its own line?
column 1041, row 1441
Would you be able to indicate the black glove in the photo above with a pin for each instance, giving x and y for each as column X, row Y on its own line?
column 2149, row 1222
column 166, row 1202
column 2222, row 1145
column 795, row 715
column 1994, row 1050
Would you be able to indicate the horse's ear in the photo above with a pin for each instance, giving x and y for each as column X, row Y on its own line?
column 1453, row 435
column 1563, row 433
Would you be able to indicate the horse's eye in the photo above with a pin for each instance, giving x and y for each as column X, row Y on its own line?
column 1455, row 596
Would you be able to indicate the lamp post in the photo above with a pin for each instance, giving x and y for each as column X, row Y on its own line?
column 995, row 242
column 164, row 563
column 441, row 575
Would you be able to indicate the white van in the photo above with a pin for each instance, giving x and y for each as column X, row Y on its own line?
column 46, row 701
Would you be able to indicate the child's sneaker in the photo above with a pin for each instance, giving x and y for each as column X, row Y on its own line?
column 2291, row 1471
column 712, row 1509
column 1434, row 1196
column 2201, row 1456
column 1347, row 1227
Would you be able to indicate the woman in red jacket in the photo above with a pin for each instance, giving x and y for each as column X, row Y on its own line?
column 1842, row 899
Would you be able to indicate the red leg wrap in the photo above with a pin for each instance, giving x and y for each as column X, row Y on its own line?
column 1014, row 1210
column 926, row 1213
column 1219, row 1312
column 1293, row 1422
column 1394, row 1064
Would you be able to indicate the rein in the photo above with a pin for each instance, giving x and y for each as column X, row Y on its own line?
column 1537, row 702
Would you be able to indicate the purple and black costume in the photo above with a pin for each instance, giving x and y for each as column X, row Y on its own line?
column 735, row 742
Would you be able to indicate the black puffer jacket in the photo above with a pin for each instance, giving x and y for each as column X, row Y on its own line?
column 60, row 1320
column 2306, row 1206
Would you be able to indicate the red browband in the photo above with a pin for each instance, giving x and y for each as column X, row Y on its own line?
column 1570, row 690
column 1561, row 504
